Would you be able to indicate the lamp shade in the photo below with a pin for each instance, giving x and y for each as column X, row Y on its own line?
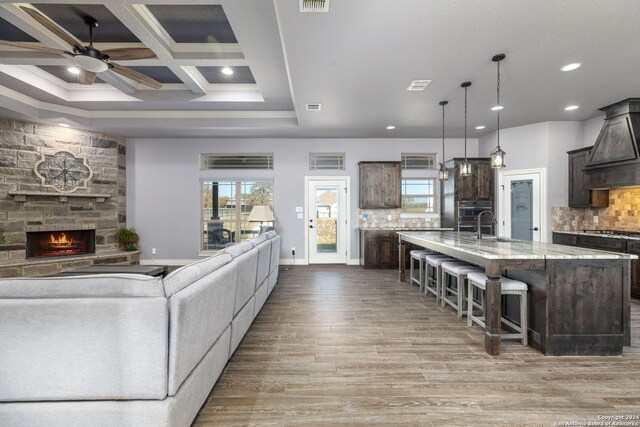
column 261, row 214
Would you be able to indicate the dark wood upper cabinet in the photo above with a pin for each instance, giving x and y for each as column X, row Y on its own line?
column 477, row 186
column 380, row 185
column 579, row 195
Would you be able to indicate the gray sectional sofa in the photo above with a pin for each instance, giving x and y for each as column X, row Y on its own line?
column 128, row 350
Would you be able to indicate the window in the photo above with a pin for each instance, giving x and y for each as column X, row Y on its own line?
column 226, row 205
column 210, row 161
column 418, row 195
column 418, row 161
column 326, row 161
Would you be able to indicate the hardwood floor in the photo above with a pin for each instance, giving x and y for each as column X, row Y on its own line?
column 343, row 345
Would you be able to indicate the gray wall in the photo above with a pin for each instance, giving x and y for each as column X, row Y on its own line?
column 544, row 145
column 163, row 181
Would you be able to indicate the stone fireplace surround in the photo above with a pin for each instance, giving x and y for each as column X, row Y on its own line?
column 26, row 206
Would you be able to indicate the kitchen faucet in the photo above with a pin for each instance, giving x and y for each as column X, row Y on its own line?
column 493, row 223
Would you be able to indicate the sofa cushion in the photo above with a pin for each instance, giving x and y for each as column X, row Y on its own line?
column 199, row 314
column 184, row 276
column 275, row 254
column 257, row 240
column 271, row 234
column 90, row 286
column 264, row 261
column 238, row 249
column 83, row 348
column 247, row 272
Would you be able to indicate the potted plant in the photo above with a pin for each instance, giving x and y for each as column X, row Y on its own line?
column 127, row 238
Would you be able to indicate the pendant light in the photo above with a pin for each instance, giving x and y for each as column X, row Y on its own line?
column 443, row 172
column 465, row 167
column 497, row 156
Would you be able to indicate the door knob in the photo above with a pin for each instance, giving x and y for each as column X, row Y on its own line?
column 534, row 229
column 311, row 226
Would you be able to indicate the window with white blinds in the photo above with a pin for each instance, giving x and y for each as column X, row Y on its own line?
column 420, row 161
column 326, row 161
column 215, row 161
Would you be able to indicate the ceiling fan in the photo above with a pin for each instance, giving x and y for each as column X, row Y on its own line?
column 88, row 59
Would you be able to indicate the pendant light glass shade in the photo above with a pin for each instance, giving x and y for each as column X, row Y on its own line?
column 497, row 155
column 443, row 172
column 465, row 167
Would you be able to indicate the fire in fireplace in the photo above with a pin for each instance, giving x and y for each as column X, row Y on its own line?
column 60, row 243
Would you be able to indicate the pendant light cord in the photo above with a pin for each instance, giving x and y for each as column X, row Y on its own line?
column 465, row 124
column 498, row 93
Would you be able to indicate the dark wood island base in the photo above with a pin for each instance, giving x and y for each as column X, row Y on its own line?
column 578, row 299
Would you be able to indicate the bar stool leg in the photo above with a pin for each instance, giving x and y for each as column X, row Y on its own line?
column 524, row 317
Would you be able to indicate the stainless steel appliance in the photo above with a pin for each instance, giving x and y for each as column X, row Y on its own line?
column 468, row 211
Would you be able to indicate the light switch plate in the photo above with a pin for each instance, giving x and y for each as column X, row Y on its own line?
column 300, row 216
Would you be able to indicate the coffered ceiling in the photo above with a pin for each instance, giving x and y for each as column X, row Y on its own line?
column 356, row 60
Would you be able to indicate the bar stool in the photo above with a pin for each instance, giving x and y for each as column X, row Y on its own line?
column 432, row 282
column 509, row 287
column 454, row 278
column 418, row 255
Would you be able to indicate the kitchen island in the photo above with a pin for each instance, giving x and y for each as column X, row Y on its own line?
column 578, row 299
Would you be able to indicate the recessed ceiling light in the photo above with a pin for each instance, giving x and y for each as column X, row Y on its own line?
column 480, row 127
column 226, row 70
column 391, row 127
column 64, row 125
column 73, row 70
column 571, row 67
column 497, row 107
column 571, row 107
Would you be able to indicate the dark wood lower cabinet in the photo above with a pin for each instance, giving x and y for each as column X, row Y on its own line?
column 378, row 249
column 611, row 244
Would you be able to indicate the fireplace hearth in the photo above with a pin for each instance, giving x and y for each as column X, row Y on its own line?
column 60, row 243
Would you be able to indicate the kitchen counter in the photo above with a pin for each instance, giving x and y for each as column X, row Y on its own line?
column 405, row 229
column 578, row 299
column 591, row 233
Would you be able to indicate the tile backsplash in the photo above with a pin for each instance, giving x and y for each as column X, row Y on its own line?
column 379, row 218
column 622, row 214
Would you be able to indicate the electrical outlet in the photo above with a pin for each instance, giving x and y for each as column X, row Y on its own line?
column 153, row 251
column 293, row 251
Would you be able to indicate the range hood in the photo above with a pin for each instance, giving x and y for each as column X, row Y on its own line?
column 614, row 160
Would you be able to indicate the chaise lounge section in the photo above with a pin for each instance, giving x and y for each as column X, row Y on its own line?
column 115, row 350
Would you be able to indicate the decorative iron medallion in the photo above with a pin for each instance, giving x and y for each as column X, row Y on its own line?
column 63, row 171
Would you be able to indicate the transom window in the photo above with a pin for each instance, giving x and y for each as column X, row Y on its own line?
column 418, row 195
column 226, row 206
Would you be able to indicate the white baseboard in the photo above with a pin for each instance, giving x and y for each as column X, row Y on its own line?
column 304, row 261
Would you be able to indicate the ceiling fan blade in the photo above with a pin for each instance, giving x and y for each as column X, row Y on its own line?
column 127, row 53
column 51, row 26
column 86, row 77
column 32, row 47
column 134, row 75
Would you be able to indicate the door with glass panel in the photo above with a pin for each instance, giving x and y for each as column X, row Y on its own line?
column 521, row 203
column 326, row 222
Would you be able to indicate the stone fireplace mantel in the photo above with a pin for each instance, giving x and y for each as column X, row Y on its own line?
column 21, row 196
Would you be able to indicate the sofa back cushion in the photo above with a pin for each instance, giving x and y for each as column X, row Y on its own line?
column 264, row 261
column 83, row 338
column 247, row 272
column 270, row 234
column 90, row 286
column 257, row 240
column 275, row 253
column 191, row 273
column 200, row 313
column 238, row 249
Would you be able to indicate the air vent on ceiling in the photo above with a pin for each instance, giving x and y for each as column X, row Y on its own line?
column 418, row 85
column 315, row 106
column 314, row 6
column 211, row 161
column 423, row 161
column 331, row 161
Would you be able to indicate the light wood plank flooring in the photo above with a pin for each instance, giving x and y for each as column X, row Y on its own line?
column 341, row 345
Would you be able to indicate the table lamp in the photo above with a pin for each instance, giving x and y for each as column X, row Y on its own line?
column 261, row 214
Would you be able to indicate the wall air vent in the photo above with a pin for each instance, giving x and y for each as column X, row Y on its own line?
column 211, row 161
column 315, row 106
column 314, row 6
column 418, row 85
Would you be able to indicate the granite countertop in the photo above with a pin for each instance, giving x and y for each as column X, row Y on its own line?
column 491, row 249
column 384, row 228
column 591, row 233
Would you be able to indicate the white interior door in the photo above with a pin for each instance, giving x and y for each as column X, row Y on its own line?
column 327, row 221
column 522, row 205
